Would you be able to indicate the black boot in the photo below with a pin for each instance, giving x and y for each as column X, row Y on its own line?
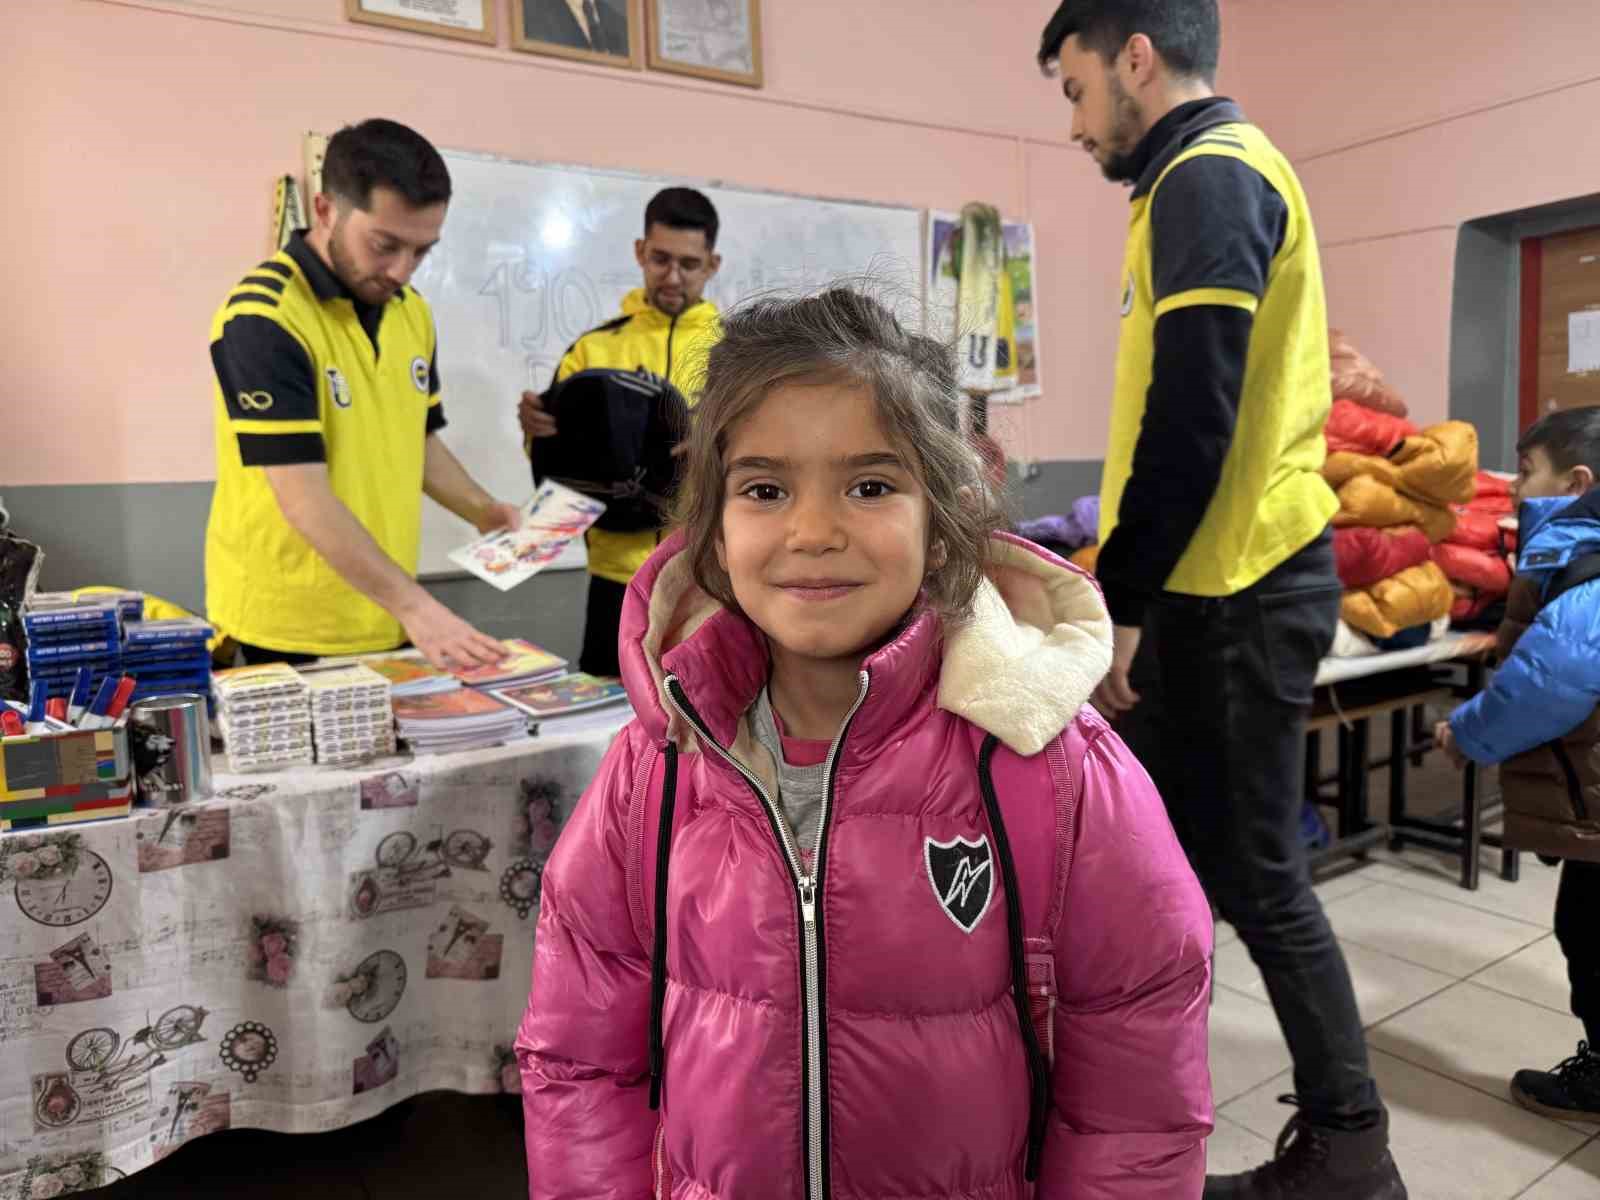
column 1312, row 1162
column 1571, row 1092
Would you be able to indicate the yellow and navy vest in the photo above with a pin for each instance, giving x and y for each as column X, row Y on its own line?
column 1271, row 500
column 301, row 381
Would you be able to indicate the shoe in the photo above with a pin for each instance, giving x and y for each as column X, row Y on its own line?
column 1312, row 1162
column 1571, row 1092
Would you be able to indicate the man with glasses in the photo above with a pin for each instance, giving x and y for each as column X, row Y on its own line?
column 666, row 328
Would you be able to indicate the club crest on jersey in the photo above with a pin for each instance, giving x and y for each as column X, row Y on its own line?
column 338, row 389
column 419, row 373
column 961, row 873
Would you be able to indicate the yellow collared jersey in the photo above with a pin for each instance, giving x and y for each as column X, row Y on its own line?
column 306, row 373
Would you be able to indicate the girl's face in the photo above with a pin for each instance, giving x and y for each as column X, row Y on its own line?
column 824, row 525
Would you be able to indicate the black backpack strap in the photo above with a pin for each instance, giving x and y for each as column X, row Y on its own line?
column 1577, row 572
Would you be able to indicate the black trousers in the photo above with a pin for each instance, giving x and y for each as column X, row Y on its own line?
column 601, row 624
column 1578, row 931
column 1225, row 684
column 255, row 655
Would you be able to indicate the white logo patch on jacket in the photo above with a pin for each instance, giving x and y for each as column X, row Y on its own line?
column 961, row 873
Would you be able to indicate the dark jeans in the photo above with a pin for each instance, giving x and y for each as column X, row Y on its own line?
column 601, row 623
column 1578, row 931
column 1224, row 686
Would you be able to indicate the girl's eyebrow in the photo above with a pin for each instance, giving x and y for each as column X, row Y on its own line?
column 876, row 458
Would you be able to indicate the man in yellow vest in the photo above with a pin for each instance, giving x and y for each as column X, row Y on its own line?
column 667, row 327
column 1215, row 559
column 328, row 413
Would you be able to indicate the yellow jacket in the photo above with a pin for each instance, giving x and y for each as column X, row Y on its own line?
column 643, row 338
column 1416, row 596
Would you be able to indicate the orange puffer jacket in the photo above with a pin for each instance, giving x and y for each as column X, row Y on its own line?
column 1369, row 494
column 1416, row 596
column 1440, row 464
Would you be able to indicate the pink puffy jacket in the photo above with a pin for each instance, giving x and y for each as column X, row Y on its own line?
column 850, row 1027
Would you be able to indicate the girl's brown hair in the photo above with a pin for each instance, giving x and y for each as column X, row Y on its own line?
column 843, row 336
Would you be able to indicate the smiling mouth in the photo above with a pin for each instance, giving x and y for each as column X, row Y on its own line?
column 820, row 590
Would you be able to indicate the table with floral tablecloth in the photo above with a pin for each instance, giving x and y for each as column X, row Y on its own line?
column 297, row 953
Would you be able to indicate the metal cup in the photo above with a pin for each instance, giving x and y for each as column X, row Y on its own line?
column 170, row 739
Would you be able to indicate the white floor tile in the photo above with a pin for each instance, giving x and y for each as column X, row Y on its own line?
column 1576, row 1179
column 1384, row 984
column 1423, row 929
column 1245, row 1045
column 1450, row 1141
column 1347, row 883
column 1478, row 1037
column 1538, row 973
column 1532, row 898
column 1232, row 1149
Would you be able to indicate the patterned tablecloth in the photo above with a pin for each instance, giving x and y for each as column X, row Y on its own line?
column 297, row 954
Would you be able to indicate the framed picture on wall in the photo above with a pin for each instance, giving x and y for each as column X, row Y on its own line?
column 470, row 20
column 711, row 39
column 598, row 31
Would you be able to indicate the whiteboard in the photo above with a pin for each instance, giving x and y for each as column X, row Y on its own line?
column 534, row 255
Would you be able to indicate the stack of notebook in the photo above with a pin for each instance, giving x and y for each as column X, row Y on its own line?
column 524, row 663
column 570, row 704
column 409, row 674
column 461, row 720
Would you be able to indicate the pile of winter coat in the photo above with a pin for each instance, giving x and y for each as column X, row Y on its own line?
column 1475, row 555
column 1398, row 488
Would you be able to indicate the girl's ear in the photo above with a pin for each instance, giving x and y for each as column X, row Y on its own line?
column 722, row 552
column 938, row 555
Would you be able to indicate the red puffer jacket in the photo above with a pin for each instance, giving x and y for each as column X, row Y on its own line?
column 1362, row 430
column 1474, row 555
column 1363, row 556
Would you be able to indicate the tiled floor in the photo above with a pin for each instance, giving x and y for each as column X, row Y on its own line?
column 1458, row 990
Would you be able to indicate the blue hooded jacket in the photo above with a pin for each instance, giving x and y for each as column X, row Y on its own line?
column 1550, row 683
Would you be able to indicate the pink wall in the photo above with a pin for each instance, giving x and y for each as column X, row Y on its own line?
column 144, row 136
column 1405, row 120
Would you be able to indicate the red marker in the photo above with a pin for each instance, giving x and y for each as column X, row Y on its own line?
column 120, row 698
column 11, row 722
column 57, row 708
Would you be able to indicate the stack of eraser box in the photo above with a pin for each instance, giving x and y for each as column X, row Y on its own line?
column 167, row 657
column 65, row 635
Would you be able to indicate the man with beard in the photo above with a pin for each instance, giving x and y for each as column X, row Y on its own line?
column 667, row 328
column 327, row 424
column 1216, row 559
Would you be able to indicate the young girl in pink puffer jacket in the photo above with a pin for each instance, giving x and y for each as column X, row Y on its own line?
column 786, row 949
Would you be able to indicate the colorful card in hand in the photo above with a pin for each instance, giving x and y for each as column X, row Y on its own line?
column 569, row 694
column 524, row 663
column 553, row 518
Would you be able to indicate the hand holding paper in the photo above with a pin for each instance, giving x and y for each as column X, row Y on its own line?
column 550, row 521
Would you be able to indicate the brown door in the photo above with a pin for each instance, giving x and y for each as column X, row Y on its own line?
column 1560, row 343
